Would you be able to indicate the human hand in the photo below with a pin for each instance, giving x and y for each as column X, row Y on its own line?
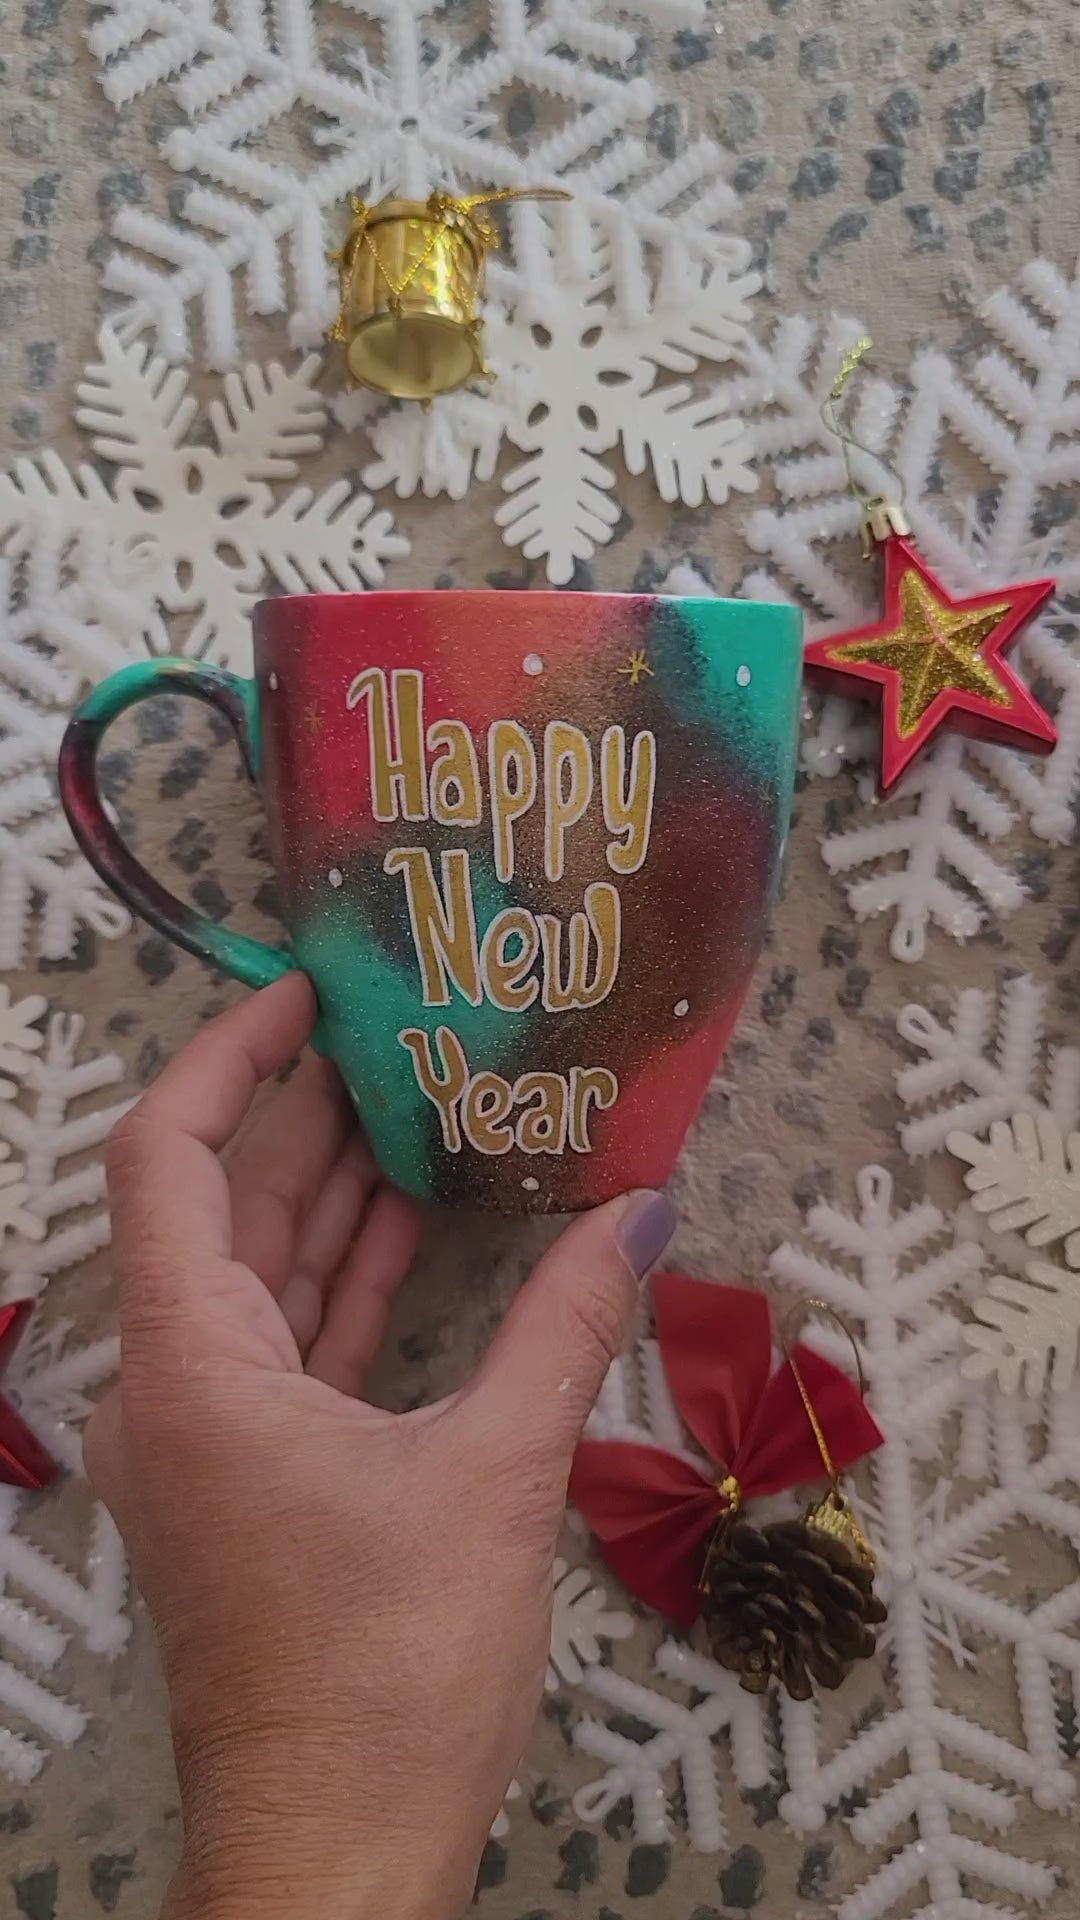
column 353, row 1606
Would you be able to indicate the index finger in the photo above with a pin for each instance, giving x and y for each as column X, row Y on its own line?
column 169, row 1192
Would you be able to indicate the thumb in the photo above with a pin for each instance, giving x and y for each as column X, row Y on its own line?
column 547, row 1363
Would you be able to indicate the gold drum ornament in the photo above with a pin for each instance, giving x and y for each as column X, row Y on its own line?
column 411, row 276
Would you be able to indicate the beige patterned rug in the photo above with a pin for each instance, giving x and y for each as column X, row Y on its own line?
column 899, row 164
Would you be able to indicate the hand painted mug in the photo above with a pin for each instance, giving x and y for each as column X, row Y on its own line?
column 526, row 845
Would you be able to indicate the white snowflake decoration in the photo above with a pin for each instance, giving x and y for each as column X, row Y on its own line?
column 21, row 1038
column 575, row 377
column 92, row 1608
column 988, row 1063
column 47, row 891
column 899, row 1281
column 52, row 1379
column 580, row 1620
column 595, row 301
column 963, row 1565
column 1015, row 416
column 70, row 1219
column 391, row 115
column 500, row 1826
column 191, row 531
column 680, row 1752
column 933, row 1786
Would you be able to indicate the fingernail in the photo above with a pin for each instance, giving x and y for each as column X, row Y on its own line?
column 647, row 1223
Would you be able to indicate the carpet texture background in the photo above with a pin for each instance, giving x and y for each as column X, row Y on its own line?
column 898, row 162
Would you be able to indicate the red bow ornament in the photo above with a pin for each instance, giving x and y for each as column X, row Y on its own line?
column 655, row 1513
column 24, row 1462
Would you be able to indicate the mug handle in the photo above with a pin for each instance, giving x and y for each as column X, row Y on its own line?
column 251, row 961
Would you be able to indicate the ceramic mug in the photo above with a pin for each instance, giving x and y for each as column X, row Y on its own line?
column 526, row 845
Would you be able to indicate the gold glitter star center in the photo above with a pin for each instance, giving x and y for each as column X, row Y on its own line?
column 314, row 719
column 935, row 649
column 638, row 667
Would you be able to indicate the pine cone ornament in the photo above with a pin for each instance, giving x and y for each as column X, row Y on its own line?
column 794, row 1600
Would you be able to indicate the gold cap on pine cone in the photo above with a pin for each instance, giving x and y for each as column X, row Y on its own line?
column 793, row 1601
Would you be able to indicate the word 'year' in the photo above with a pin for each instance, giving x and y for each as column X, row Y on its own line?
column 554, row 1107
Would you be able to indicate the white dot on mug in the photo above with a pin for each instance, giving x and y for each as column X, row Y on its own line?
column 743, row 676
column 274, row 683
column 533, row 664
column 531, row 1184
column 681, row 1009
column 335, row 877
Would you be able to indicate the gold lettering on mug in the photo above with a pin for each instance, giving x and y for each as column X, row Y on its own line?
column 484, row 1109
column 443, row 925
column 512, row 778
column 588, row 1085
column 601, row 923
column 446, row 1092
column 568, row 785
column 554, row 1107
column 628, row 810
column 504, row 978
column 398, row 775
column 454, row 785
column 558, row 962
column 542, row 1127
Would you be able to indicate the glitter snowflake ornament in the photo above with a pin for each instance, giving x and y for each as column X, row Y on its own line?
column 924, row 858
column 1026, row 1331
column 184, row 530
column 1026, row 1176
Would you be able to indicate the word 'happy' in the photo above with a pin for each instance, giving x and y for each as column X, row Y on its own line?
column 420, row 773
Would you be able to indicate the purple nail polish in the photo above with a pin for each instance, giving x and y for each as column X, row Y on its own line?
column 647, row 1225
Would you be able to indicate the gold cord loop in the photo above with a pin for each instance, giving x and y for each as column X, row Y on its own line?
column 833, row 1514
column 883, row 513
column 800, row 1314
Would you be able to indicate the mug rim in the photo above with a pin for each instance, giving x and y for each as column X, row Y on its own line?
column 555, row 595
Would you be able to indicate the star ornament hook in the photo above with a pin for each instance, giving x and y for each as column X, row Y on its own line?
column 935, row 661
column 24, row 1462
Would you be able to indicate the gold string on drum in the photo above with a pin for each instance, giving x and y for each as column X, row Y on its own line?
column 411, row 276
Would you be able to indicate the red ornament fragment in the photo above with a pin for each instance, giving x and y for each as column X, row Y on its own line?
column 24, row 1462
column 654, row 1512
column 936, row 661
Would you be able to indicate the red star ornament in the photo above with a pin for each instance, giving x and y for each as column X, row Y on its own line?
column 934, row 661
column 23, row 1460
